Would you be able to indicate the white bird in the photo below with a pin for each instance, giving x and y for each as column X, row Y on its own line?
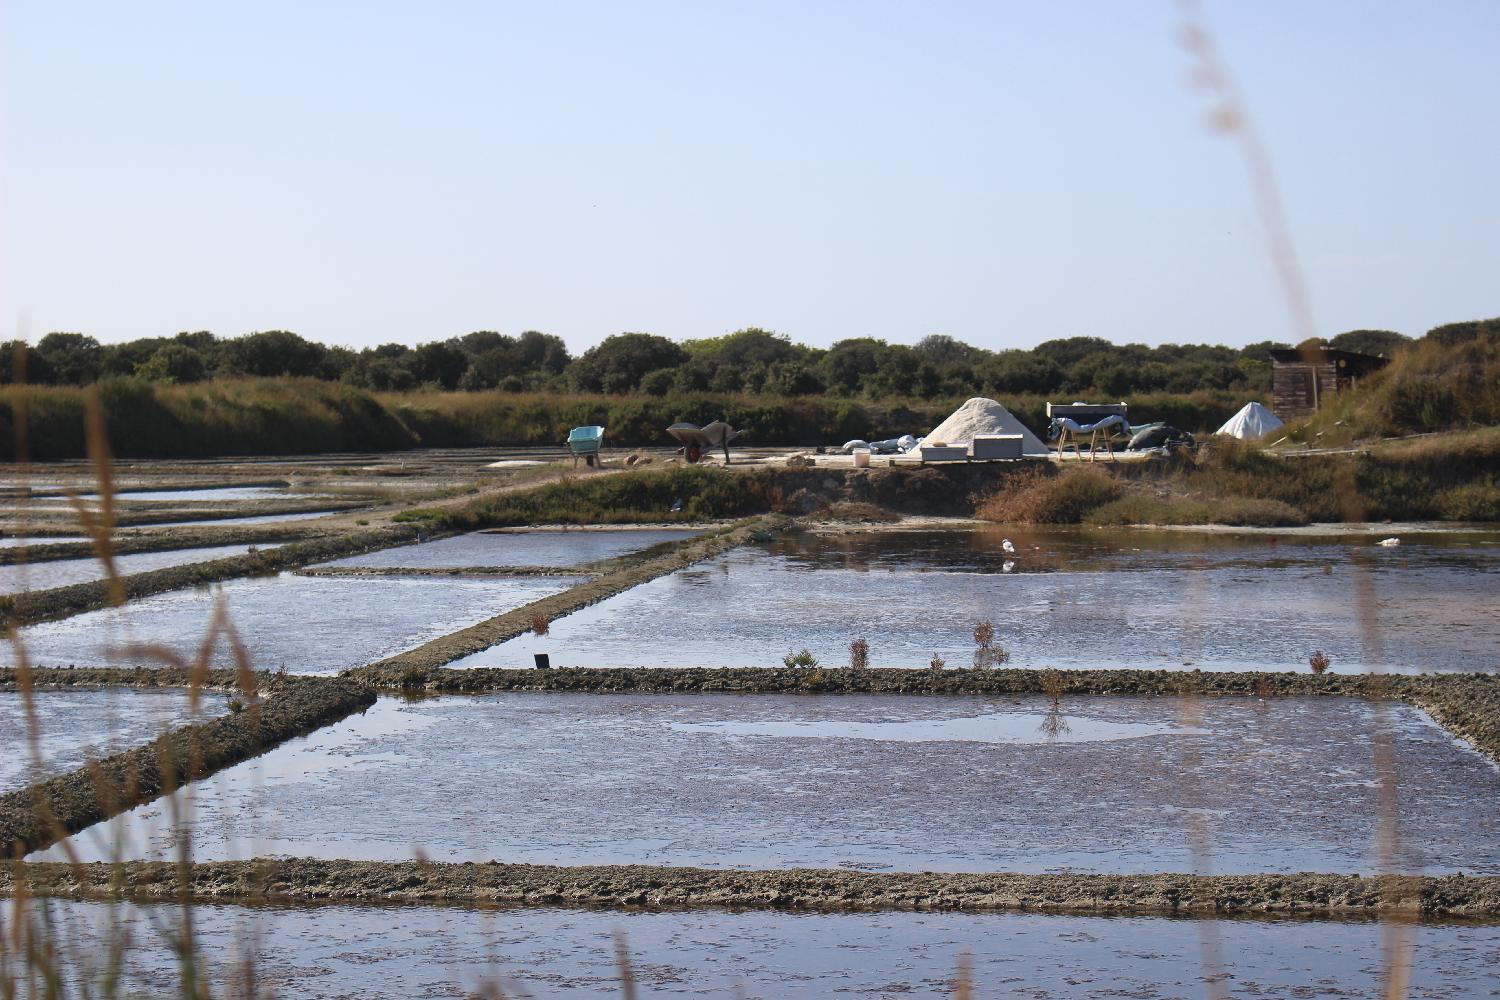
column 1390, row 543
column 1007, row 546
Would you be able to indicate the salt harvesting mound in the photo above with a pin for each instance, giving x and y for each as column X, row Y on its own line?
column 1253, row 421
column 984, row 416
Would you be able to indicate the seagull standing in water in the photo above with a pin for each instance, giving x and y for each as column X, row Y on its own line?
column 1007, row 546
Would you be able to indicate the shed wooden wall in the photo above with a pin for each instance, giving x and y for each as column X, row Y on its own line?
column 1292, row 395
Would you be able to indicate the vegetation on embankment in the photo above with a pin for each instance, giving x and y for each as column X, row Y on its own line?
column 275, row 708
column 1448, row 478
column 1451, row 478
column 811, row 889
column 1447, row 380
column 271, row 416
column 646, row 495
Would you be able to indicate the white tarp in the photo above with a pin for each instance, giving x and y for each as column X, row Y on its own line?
column 1253, row 421
column 983, row 416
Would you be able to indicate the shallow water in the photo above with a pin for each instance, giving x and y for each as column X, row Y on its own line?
column 564, row 549
column 77, row 726
column 1068, row 599
column 343, row 951
column 36, row 541
column 867, row 782
column 305, row 624
column 63, row 572
column 211, row 493
column 256, row 519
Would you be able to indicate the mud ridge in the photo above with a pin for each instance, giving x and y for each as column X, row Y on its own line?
column 407, row 669
column 162, row 540
column 60, row 602
column 647, row 886
column 1466, row 704
column 443, row 571
column 277, row 708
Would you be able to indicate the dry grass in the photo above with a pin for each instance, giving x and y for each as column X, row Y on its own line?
column 1045, row 496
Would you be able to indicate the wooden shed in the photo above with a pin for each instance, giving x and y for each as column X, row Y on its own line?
column 1302, row 379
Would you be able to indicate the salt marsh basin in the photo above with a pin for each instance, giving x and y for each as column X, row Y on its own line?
column 305, row 624
column 865, row 782
column 1074, row 598
column 331, row 951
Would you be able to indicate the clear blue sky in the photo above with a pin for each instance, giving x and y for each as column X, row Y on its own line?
column 362, row 172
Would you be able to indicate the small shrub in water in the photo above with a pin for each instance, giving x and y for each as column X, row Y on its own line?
column 540, row 625
column 800, row 659
column 1319, row 661
column 984, row 635
column 986, row 653
column 1054, row 684
column 938, row 663
column 859, row 654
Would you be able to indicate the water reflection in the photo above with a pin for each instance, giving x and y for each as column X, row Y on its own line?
column 1074, row 599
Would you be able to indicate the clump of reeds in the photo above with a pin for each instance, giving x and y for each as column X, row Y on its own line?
column 1043, row 496
column 540, row 624
column 986, row 653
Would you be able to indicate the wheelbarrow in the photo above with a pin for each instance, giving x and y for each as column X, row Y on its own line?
column 696, row 439
column 584, row 443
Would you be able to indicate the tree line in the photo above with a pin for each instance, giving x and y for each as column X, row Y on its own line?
column 751, row 361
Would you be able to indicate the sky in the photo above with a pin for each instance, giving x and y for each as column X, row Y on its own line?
column 1001, row 172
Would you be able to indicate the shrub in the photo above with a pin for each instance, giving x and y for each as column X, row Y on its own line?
column 986, row 653
column 1472, row 502
column 803, row 659
column 1319, row 661
column 859, row 654
column 1046, row 496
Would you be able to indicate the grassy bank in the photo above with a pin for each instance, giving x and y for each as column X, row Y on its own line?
column 1449, row 478
column 1454, row 477
column 269, row 416
column 1447, row 380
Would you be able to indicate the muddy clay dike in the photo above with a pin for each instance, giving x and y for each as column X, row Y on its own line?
column 334, row 951
column 1079, row 599
column 864, row 783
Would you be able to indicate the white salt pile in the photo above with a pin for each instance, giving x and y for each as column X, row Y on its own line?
column 983, row 416
column 1253, row 421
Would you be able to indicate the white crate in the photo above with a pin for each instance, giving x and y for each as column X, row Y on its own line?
column 943, row 453
column 988, row 446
